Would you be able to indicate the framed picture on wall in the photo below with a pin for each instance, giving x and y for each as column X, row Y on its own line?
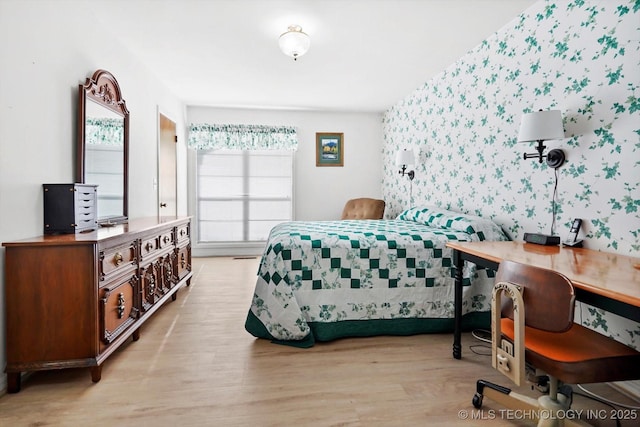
column 329, row 149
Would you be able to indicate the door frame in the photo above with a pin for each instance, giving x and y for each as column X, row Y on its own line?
column 159, row 111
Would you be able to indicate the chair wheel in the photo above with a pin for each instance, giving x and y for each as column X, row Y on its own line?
column 477, row 400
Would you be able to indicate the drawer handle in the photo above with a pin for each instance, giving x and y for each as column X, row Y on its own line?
column 148, row 246
column 182, row 232
column 120, row 305
column 117, row 258
column 183, row 262
column 166, row 239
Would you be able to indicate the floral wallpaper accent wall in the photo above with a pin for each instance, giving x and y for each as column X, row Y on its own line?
column 581, row 57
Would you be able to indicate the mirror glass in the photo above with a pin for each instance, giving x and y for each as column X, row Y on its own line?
column 104, row 158
column 103, row 126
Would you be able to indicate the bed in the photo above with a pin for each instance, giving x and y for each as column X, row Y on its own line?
column 324, row 280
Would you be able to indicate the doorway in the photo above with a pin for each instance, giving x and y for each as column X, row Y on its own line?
column 167, row 170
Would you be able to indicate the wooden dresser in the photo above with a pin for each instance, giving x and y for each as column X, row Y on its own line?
column 73, row 299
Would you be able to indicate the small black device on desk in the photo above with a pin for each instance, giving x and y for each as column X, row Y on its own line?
column 572, row 239
column 541, row 239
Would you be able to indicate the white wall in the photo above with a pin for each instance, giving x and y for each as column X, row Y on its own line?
column 319, row 192
column 47, row 48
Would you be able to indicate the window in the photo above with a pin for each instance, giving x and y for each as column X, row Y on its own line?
column 242, row 194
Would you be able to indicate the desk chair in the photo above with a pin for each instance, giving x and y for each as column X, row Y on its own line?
column 363, row 208
column 533, row 331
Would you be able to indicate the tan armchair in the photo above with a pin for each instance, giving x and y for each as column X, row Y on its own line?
column 363, row 208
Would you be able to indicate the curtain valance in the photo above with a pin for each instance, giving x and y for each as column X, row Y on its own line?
column 242, row 137
column 104, row 131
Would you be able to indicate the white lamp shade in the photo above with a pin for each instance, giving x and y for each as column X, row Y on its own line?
column 294, row 43
column 541, row 126
column 405, row 157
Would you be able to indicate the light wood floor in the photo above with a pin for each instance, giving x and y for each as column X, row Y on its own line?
column 195, row 365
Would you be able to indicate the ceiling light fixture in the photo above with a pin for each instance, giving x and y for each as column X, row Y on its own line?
column 294, row 42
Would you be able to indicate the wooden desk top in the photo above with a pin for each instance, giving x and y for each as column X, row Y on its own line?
column 611, row 275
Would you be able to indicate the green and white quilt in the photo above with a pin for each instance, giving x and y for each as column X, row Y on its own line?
column 324, row 280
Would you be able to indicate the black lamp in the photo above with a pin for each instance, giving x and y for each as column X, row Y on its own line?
column 541, row 126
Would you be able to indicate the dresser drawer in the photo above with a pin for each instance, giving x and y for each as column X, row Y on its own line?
column 183, row 261
column 149, row 246
column 183, row 233
column 117, row 311
column 169, row 278
column 167, row 239
column 151, row 289
column 116, row 261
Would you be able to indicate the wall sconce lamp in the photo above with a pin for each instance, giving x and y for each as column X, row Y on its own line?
column 404, row 159
column 541, row 126
column 294, row 42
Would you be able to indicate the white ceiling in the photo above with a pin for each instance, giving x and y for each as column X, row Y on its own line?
column 365, row 55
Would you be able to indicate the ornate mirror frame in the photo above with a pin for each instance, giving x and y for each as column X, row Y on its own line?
column 102, row 91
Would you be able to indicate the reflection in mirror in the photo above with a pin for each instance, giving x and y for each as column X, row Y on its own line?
column 103, row 145
column 104, row 158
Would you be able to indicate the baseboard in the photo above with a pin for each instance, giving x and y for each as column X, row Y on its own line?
column 629, row 388
column 247, row 250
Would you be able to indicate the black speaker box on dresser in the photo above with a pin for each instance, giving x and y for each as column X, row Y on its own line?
column 69, row 208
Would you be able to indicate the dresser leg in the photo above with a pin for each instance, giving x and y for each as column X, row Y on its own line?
column 13, row 382
column 96, row 373
column 136, row 334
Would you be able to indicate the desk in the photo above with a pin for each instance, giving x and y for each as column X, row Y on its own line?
column 604, row 280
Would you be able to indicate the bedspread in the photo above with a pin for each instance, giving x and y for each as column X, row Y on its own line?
column 330, row 279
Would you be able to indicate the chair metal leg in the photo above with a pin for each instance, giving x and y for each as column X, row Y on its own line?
column 502, row 395
column 544, row 409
